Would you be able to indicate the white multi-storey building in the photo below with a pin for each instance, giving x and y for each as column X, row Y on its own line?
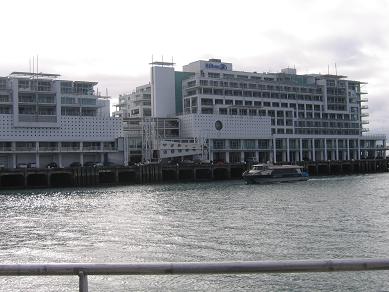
column 250, row 116
column 136, row 104
column 46, row 120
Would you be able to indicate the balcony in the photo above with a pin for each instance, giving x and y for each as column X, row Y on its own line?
column 6, row 149
column 32, row 118
column 109, row 148
column 25, row 149
column 70, row 149
column 91, row 148
column 48, row 149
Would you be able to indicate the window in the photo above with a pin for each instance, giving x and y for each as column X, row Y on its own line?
column 222, row 111
column 213, row 75
column 249, row 144
column 219, row 144
column 235, row 144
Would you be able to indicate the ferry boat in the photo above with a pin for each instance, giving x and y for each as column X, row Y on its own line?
column 269, row 173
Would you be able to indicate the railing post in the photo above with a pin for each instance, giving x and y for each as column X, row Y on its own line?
column 82, row 281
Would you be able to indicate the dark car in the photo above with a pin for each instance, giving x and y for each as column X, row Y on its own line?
column 52, row 165
column 90, row 164
column 75, row 164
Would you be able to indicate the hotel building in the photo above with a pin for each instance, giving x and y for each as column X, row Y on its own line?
column 249, row 116
column 46, row 120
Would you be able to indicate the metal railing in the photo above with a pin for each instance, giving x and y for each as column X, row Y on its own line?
column 285, row 266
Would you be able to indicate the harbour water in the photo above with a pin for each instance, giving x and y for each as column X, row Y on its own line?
column 325, row 217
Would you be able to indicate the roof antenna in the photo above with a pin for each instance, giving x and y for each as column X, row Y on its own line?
column 33, row 64
column 328, row 69
column 336, row 70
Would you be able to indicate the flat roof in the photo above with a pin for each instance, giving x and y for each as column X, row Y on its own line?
column 29, row 74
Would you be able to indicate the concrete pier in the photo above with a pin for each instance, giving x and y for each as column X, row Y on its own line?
column 156, row 173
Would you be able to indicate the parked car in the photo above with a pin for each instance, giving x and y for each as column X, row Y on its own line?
column 75, row 164
column 52, row 165
column 93, row 164
column 31, row 165
column 21, row 165
column 109, row 163
column 89, row 164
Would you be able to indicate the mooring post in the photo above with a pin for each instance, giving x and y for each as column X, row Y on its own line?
column 82, row 281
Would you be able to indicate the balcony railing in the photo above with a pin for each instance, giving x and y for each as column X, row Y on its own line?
column 48, row 148
column 6, row 149
column 188, row 268
column 91, row 148
column 25, row 148
column 37, row 118
column 70, row 149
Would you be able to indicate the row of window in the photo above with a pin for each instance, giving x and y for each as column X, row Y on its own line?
column 231, row 84
column 248, row 93
column 210, row 102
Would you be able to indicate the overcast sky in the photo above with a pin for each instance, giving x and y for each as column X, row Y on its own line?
column 112, row 41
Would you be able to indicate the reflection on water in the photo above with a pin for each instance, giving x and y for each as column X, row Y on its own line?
column 330, row 217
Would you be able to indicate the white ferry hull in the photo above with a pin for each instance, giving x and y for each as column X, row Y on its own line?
column 252, row 179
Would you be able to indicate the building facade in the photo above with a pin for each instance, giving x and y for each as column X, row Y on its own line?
column 279, row 117
column 310, row 117
column 46, row 120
